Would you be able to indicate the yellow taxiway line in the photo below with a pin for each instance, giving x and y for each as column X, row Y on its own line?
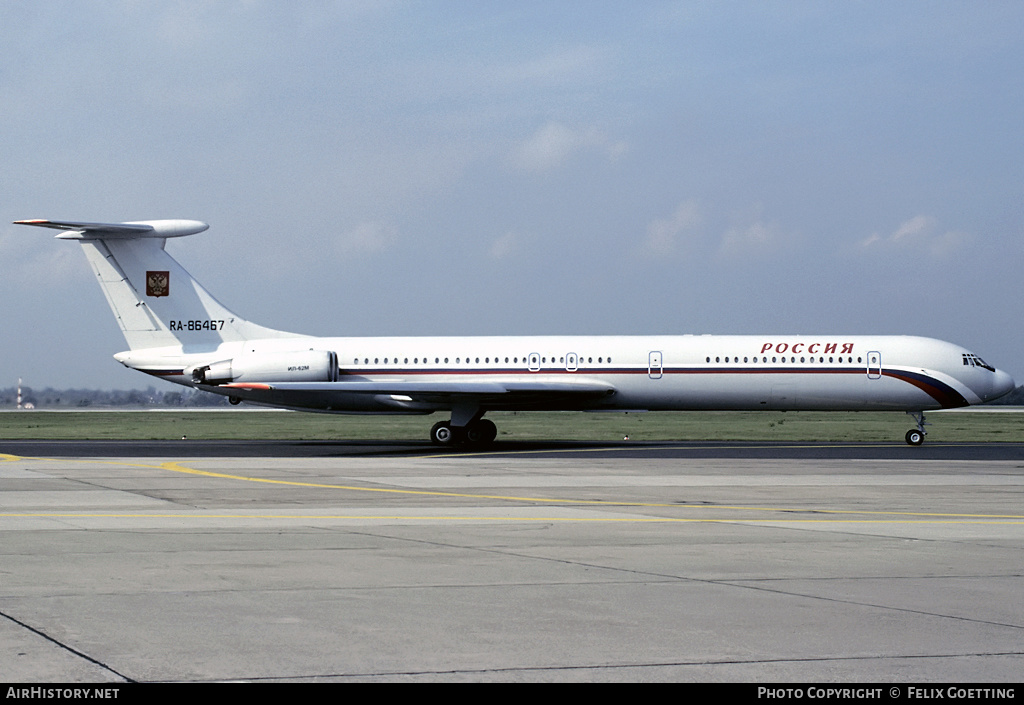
column 177, row 467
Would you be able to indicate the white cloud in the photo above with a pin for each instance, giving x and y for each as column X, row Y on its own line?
column 921, row 233
column 663, row 235
column 915, row 227
column 756, row 237
column 551, row 145
column 505, row 246
column 366, row 238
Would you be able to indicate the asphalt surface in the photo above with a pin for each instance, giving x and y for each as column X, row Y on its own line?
column 281, row 561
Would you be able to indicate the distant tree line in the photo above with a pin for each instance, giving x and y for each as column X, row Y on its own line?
column 1014, row 398
column 50, row 398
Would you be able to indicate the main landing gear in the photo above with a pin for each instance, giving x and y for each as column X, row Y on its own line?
column 466, row 427
column 915, row 436
column 476, row 433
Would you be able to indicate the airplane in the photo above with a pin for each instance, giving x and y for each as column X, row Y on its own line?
column 176, row 330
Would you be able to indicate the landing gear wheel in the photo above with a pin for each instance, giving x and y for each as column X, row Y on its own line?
column 442, row 434
column 481, row 432
column 915, row 437
column 490, row 430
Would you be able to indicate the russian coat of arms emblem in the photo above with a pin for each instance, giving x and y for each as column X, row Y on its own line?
column 158, row 283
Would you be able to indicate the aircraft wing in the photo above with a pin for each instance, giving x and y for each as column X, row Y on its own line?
column 446, row 392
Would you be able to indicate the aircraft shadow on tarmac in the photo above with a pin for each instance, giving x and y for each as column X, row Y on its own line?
column 582, row 449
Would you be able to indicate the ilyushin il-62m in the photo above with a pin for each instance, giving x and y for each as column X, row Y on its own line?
column 177, row 331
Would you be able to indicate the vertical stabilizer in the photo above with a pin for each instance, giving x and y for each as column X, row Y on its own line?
column 157, row 303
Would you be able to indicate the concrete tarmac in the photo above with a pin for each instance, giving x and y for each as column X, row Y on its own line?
column 549, row 564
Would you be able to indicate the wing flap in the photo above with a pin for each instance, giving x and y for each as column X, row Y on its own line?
column 438, row 391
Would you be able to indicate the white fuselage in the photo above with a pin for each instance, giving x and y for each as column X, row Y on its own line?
column 784, row 372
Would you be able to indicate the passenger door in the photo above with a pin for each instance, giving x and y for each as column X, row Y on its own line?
column 654, row 368
column 874, row 365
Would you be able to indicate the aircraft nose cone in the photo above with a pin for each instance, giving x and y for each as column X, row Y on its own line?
column 1002, row 384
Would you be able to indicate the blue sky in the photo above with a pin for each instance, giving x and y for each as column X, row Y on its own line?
column 461, row 168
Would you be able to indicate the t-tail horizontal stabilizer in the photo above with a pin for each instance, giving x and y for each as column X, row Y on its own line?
column 136, row 229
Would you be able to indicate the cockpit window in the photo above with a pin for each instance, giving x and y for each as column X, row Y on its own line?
column 975, row 361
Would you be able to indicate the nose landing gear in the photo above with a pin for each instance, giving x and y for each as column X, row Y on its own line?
column 915, row 436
